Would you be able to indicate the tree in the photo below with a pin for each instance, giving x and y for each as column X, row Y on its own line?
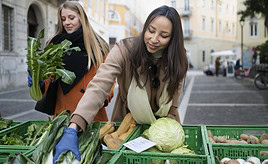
column 263, row 52
column 254, row 7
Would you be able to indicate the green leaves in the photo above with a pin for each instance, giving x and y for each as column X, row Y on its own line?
column 44, row 63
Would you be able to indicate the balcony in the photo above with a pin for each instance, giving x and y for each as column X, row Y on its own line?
column 186, row 12
column 187, row 34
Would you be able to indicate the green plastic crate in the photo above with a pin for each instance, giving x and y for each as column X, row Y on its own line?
column 193, row 138
column 14, row 123
column 235, row 151
column 12, row 150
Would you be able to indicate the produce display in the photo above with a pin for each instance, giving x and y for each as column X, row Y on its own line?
column 44, row 63
column 89, row 144
column 102, row 143
column 238, row 144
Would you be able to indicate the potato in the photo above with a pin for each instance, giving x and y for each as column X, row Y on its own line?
column 221, row 139
column 244, row 137
column 264, row 153
column 232, row 161
column 265, row 142
column 210, row 134
column 211, row 140
column 253, row 140
column 264, row 136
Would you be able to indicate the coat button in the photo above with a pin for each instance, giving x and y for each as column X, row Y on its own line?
column 82, row 91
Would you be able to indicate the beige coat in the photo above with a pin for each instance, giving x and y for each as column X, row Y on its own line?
column 116, row 66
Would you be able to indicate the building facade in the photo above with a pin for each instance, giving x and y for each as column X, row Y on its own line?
column 209, row 26
column 20, row 19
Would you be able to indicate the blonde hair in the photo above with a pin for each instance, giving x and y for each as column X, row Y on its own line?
column 95, row 46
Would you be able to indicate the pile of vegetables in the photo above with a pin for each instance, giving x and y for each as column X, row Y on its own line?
column 44, row 63
column 32, row 138
column 250, row 160
column 5, row 123
column 243, row 139
column 89, row 144
column 113, row 139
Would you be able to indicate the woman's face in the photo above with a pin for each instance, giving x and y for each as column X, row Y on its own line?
column 158, row 34
column 70, row 20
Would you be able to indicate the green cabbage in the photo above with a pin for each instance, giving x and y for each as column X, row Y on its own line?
column 183, row 150
column 167, row 133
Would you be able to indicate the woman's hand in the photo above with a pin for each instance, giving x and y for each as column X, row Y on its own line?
column 69, row 141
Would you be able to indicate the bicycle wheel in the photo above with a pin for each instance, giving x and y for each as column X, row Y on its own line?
column 239, row 74
column 261, row 81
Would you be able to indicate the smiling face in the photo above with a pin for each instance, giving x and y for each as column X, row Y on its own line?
column 70, row 20
column 158, row 34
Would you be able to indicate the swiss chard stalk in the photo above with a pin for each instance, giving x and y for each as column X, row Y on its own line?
column 44, row 63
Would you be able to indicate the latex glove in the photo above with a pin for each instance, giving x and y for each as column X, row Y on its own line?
column 30, row 80
column 69, row 141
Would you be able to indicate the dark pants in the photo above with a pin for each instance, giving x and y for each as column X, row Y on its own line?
column 217, row 71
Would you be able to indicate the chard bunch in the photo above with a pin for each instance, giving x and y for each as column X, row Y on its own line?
column 44, row 63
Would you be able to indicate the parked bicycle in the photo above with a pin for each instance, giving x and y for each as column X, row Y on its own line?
column 261, row 79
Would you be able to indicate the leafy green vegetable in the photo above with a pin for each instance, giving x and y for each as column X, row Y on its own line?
column 167, row 133
column 183, row 150
column 5, row 123
column 44, row 63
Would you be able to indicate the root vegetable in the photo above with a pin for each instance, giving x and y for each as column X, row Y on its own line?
column 264, row 136
column 254, row 160
column 232, row 161
column 210, row 134
column 221, row 139
column 253, row 140
column 244, row 137
column 211, row 140
column 265, row 142
column 263, row 153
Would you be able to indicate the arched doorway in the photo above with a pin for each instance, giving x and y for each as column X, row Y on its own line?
column 35, row 20
column 32, row 22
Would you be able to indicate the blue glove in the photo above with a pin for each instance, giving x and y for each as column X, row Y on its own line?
column 30, row 80
column 69, row 141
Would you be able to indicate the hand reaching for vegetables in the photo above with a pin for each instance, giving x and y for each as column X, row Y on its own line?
column 69, row 141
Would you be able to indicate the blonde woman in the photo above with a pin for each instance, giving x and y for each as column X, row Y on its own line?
column 74, row 26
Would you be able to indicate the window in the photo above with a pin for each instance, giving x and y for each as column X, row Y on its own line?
column 186, row 5
column 219, row 25
column 253, row 27
column 203, row 56
column 96, row 6
column 212, row 4
column 212, row 25
column 89, row 4
column 186, row 26
column 204, row 3
column 204, row 23
column 173, row 3
column 233, row 29
column 227, row 28
column 7, row 17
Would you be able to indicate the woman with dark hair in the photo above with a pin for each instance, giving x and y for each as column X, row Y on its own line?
column 149, row 69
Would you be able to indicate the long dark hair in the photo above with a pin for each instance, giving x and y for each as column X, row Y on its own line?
column 174, row 59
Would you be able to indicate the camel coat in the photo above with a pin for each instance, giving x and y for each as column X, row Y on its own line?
column 116, row 66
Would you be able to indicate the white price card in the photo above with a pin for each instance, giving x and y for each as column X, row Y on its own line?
column 139, row 144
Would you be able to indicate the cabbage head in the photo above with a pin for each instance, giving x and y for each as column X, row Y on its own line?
column 167, row 133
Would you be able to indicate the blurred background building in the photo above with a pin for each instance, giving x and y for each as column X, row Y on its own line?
column 208, row 25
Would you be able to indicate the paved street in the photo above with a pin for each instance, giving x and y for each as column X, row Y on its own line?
column 205, row 100
column 224, row 101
